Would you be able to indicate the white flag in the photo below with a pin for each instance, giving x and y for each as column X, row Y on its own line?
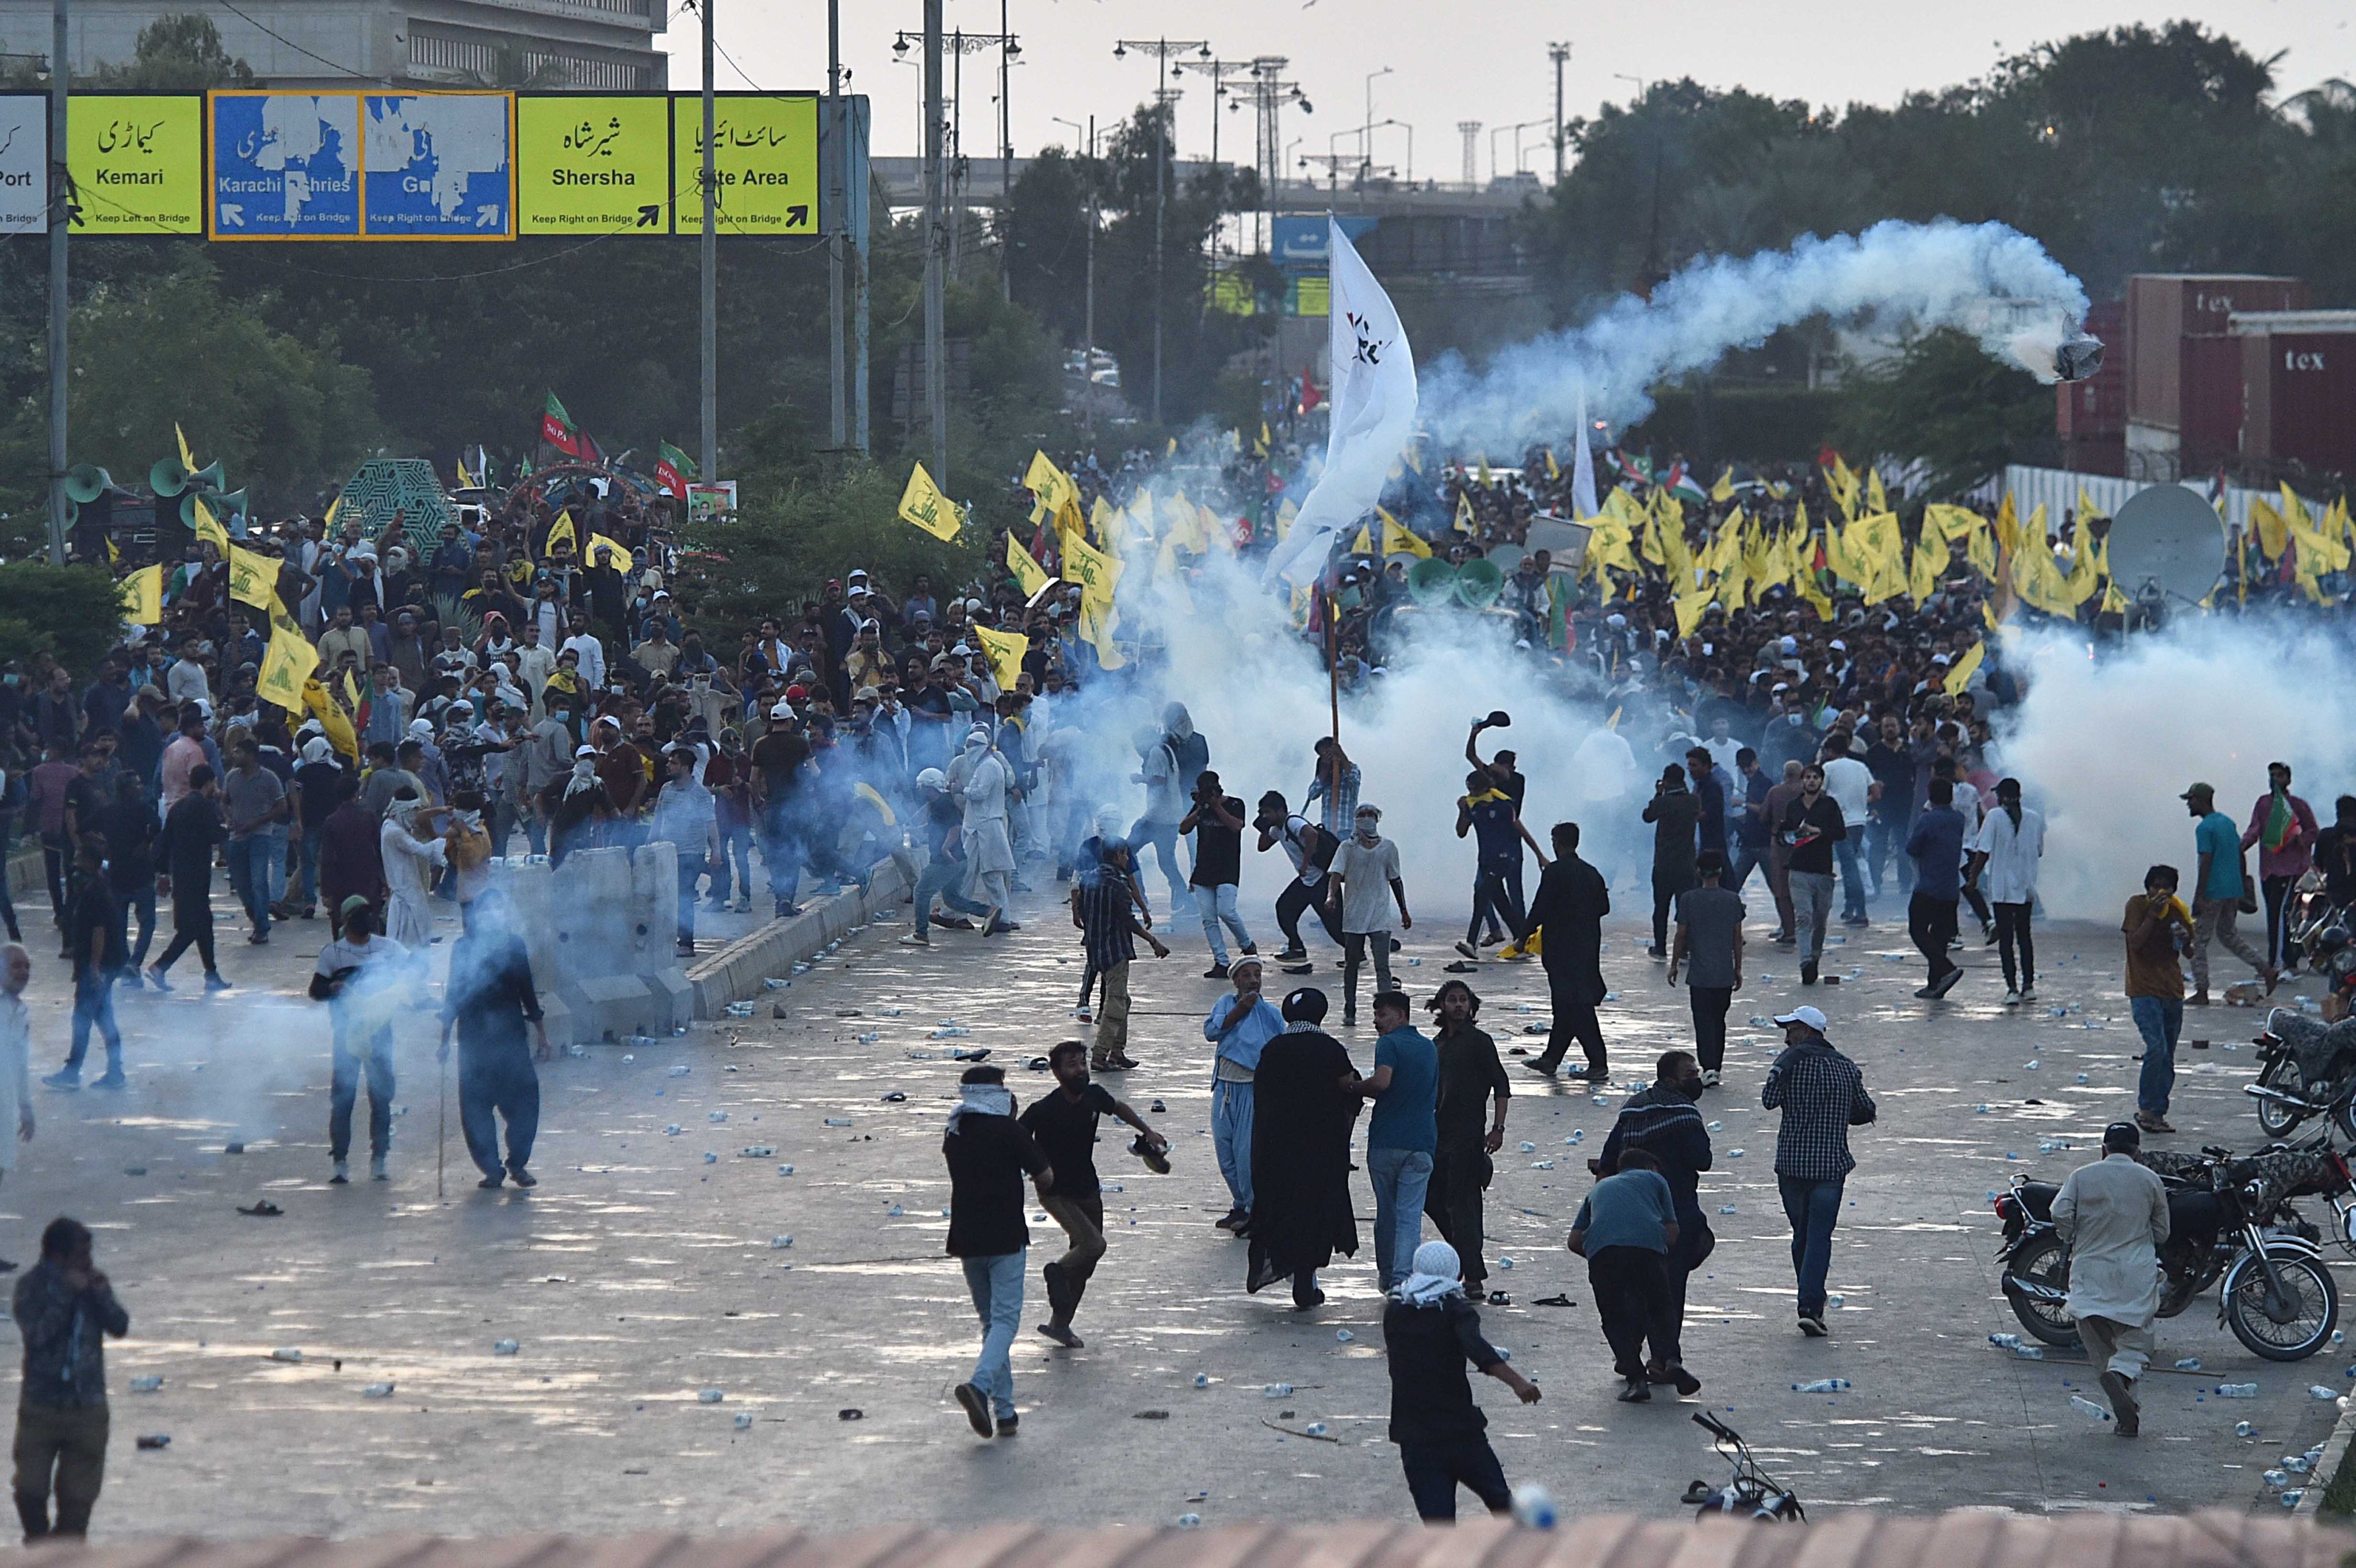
column 1582, row 463
column 1373, row 414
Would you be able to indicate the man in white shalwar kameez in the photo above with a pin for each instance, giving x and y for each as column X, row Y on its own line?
column 2113, row 1214
column 16, row 1056
column 410, row 862
column 990, row 853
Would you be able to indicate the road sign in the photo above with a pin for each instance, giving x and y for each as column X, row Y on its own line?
column 1307, row 242
column 592, row 165
column 765, row 157
column 137, row 161
column 24, row 164
column 285, row 165
column 435, row 165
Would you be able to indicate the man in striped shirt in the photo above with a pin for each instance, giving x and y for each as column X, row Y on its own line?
column 1822, row 1096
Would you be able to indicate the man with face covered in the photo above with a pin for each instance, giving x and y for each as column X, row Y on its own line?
column 1363, row 890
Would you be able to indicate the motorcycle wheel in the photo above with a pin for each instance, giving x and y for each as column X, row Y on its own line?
column 2344, row 1114
column 2275, row 1118
column 2043, row 1262
column 2313, row 1307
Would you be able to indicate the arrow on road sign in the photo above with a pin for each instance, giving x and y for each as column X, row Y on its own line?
column 487, row 216
column 232, row 216
column 797, row 217
column 649, row 213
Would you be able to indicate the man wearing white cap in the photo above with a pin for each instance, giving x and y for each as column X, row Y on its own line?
column 1822, row 1096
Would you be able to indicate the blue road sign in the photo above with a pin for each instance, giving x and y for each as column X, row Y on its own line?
column 285, row 165
column 440, row 165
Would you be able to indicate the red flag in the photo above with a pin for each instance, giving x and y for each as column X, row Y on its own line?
column 1309, row 395
column 556, row 428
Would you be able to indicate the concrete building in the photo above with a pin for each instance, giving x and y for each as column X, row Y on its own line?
column 594, row 45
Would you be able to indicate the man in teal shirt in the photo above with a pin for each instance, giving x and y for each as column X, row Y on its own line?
column 1402, row 1135
column 2218, row 891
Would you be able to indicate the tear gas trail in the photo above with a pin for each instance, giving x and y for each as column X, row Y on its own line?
column 1892, row 280
column 2106, row 746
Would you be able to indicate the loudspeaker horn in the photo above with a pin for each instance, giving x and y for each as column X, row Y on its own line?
column 85, row 482
column 1431, row 583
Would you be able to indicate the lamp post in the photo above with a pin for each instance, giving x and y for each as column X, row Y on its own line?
column 61, row 71
column 1162, row 50
column 1366, row 136
column 1560, row 55
column 1088, row 176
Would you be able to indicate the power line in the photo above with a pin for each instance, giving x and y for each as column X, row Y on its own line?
column 299, row 48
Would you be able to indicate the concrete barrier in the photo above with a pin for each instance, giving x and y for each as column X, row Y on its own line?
column 735, row 973
column 602, row 933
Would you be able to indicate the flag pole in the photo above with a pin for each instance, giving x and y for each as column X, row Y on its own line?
column 1333, row 667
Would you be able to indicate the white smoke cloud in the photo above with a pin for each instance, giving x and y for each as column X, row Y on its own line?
column 2105, row 743
column 1892, row 280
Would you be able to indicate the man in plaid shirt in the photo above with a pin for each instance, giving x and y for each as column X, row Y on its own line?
column 1822, row 1096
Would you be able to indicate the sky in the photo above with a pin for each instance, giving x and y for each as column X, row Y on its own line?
column 1475, row 59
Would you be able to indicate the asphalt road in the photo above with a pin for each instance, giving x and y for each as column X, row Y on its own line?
column 643, row 1271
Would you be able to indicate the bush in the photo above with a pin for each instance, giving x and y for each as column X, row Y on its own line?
column 72, row 613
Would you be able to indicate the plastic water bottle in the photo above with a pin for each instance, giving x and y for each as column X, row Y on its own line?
column 837, row 1121
column 2004, row 1341
column 1276, row 1390
column 1725, row 1208
column 504, row 1347
column 1821, row 1386
column 2276, row 1478
column 785, row 1170
column 2189, row 1364
column 1344, row 1335
column 2088, row 1408
column 287, row 1353
column 710, row 1396
column 146, row 1384
column 779, row 1243
column 1316, row 1429
column 744, row 1421
column 711, row 1158
column 716, row 1117
column 2237, row 1390
column 2292, row 1498
column 1528, row 1148
column 1534, row 1507
column 2245, row 1429
column 1189, row 1520
column 376, row 1391
column 1505, row 1262
column 2029, row 1352
column 1201, row 1379
column 2318, row 1391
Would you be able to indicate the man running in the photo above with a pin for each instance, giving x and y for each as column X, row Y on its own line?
column 1312, row 850
column 1064, row 1125
column 1493, row 818
column 1568, row 913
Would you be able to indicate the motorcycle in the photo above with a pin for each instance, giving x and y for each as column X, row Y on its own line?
column 1752, row 1494
column 2230, row 1224
column 2306, row 1067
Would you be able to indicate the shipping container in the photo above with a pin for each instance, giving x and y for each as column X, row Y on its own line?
column 2163, row 308
column 2096, row 409
column 2298, row 387
column 2208, row 399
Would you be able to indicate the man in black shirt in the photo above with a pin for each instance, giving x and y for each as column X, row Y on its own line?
column 1568, row 913
column 487, row 1001
column 1064, row 1125
column 1470, row 1075
column 989, row 1154
column 1891, row 814
column 65, row 1310
column 2335, row 854
column 779, row 758
column 184, row 857
column 1674, row 811
column 95, row 946
column 1812, row 825
column 1429, row 1331
column 1215, row 827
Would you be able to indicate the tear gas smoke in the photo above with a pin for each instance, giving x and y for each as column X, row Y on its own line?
column 1893, row 280
column 2105, row 745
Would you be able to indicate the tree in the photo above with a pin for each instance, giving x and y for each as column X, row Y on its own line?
column 1945, row 402
column 177, row 53
column 72, row 613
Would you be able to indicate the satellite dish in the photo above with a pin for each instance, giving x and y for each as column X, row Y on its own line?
column 2166, row 543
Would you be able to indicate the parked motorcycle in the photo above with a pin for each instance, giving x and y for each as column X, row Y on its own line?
column 2229, row 1224
column 2307, row 1067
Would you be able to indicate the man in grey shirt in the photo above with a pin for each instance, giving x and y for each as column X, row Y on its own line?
column 1709, row 948
column 1363, row 887
column 254, row 800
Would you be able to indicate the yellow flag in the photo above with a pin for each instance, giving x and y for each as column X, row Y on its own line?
column 1096, row 630
column 2085, row 565
column 2008, row 526
column 1173, row 450
column 560, row 529
column 1397, row 538
column 1980, row 548
column 1965, row 666
column 252, row 577
column 287, row 665
column 1486, row 478
column 1005, row 650
column 922, row 504
column 1050, row 487
column 1101, row 518
column 333, row 507
column 1465, row 523
column 1554, row 469
column 1364, row 544
column 1691, row 606
column 2274, row 533
column 1875, row 496
column 1724, row 490
column 188, row 458
column 1096, row 573
column 143, row 595
column 1026, row 568
column 1285, row 512
column 1929, row 560
column 622, row 559
column 208, row 527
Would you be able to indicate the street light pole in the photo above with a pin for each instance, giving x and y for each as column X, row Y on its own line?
column 708, row 276
column 1366, row 136
column 937, row 406
column 838, row 423
column 1161, row 48
column 60, row 71
column 1560, row 55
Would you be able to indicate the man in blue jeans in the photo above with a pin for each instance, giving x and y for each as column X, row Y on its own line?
column 2155, row 987
column 989, row 1154
column 1403, row 1133
column 1822, row 1096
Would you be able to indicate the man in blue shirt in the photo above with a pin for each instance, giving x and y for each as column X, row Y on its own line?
column 1239, row 1026
column 1624, row 1230
column 2218, row 889
column 1403, row 1133
column 1936, row 848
